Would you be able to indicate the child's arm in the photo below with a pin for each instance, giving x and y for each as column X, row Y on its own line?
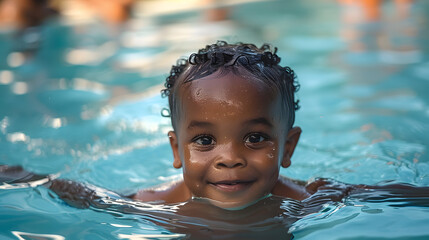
column 402, row 194
column 399, row 194
column 73, row 193
column 82, row 196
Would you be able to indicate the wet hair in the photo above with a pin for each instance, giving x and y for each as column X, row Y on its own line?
column 259, row 63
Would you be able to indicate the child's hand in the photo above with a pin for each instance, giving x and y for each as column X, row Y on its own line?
column 323, row 189
column 16, row 174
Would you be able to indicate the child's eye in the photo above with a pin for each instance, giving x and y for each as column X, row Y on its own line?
column 204, row 140
column 255, row 138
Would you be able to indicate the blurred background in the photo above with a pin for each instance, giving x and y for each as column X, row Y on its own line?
column 80, row 82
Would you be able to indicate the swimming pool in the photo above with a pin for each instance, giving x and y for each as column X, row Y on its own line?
column 85, row 104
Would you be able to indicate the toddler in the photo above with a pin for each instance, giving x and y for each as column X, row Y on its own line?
column 232, row 108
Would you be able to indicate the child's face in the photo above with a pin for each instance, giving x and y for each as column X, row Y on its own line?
column 230, row 139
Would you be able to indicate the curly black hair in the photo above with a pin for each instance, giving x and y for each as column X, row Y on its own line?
column 261, row 63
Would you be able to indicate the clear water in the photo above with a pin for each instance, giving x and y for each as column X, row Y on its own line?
column 96, row 118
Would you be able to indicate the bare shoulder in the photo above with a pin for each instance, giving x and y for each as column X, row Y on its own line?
column 171, row 192
column 291, row 188
column 324, row 187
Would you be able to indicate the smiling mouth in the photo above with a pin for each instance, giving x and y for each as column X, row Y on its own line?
column 232, row 186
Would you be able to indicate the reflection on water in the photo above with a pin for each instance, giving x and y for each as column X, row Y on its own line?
column 25, row 235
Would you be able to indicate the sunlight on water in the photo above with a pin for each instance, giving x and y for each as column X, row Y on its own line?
column 24, row 235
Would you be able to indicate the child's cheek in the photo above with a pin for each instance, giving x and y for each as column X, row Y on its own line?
column 267, row 157
column 271, row 150
column 271, row 153
column 196, row 163
column 195, row 169
column 268, row 150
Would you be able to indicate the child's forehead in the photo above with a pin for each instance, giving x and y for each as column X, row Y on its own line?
column 227, row 89
column 227, row 84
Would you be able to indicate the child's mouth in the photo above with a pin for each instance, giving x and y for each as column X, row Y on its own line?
column 232, row 186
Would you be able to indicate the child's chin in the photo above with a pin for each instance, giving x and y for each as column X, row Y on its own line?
column 234, row 205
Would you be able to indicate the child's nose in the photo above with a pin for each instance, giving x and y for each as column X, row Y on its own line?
column 230, row 163
column 230, row 158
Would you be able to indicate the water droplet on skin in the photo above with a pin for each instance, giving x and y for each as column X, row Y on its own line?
column 270, row 155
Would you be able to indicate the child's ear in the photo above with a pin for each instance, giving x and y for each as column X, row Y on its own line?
column 175, row 147
column 291, row 142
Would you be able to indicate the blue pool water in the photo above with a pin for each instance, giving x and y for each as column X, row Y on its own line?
column 82, row 101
